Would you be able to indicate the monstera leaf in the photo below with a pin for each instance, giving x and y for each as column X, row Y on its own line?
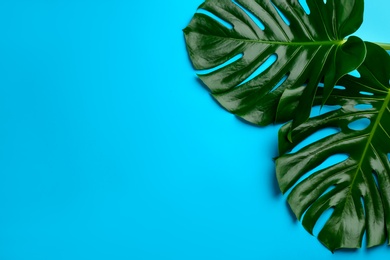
column 358, row 188
column 305, row 48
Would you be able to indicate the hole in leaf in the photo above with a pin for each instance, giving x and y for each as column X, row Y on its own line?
column 362, row 201
column 305, row 7
column 314, row 138
column 359, row 124
column 327, row 108
column 363, row 106
column 332, row 187
column 207, row 71
column 355, row 74
column 339, row 87
column 280, row 83
column 364, row 212
column 251, row 15
column 216, row 18
column 284, row 18
column 324, row 1
column 271, row 60
column 322, row 221
column 366, row 93
column 321, row 85
column 317, row 110
column 388, row 156
column 375, row 175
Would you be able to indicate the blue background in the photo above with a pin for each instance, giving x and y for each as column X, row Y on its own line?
column 111, row 149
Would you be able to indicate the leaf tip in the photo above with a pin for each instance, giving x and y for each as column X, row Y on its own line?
column 289, row 136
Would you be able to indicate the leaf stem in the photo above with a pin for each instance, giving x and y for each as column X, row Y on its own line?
column 385, row 46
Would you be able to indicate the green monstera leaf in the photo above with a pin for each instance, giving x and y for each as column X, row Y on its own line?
column 236, row 38
column 358, row 188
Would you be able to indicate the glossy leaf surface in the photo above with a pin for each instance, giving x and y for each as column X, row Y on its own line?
column 358, row 188
column 305, row 49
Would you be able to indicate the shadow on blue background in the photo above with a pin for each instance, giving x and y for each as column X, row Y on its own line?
column 111, row 149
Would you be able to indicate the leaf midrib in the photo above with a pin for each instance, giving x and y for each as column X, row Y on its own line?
column 376, row 124
column 371, row 136
column 369, row 143
column 315, row 43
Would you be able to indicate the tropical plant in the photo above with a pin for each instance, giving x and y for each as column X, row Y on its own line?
column 358, row 188
column 305, row 48
column 229, row 41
